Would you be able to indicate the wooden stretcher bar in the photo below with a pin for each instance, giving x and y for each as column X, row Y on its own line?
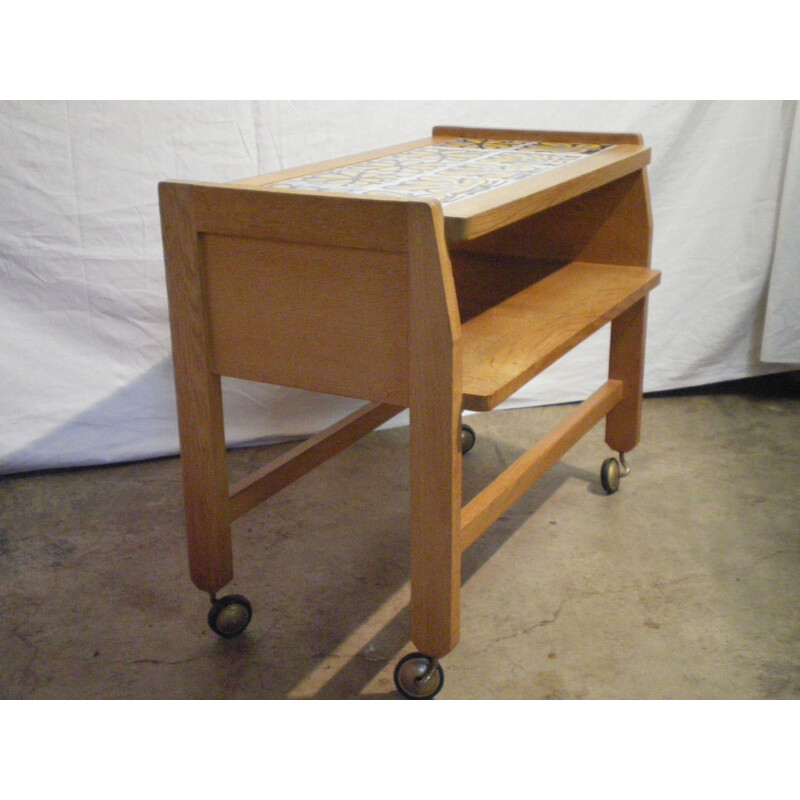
column 517, row 479
column 284, row 470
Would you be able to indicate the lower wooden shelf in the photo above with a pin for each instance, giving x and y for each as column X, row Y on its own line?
column 510, row 343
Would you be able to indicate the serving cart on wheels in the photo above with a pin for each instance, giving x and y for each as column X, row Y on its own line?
column 437, row 275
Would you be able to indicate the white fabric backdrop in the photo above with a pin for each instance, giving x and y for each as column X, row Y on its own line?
column 85, row 357
column 782, row 325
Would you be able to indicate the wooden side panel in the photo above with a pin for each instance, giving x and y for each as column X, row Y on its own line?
column 609, row 225
column 327, row 319
column 624, row 226
column 351, row 222
column 483, row 282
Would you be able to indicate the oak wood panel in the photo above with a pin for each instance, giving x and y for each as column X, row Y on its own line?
column 608, row 225
column 483, row 282
column 320, row 318
column 512, row 342
column 624, row 234
column 355, row 222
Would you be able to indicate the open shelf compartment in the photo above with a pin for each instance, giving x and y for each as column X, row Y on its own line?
column 509, row 344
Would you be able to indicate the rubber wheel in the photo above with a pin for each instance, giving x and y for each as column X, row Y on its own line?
column 230, row 615
column 468, row 438
column 610, row 474
column 409, row 674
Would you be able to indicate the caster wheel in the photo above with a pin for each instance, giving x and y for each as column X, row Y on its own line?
column 416, row 677
column 610, row 474
column 467, row 439
column 230, row 615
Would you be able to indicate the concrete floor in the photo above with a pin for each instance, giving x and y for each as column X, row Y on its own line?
column 685, row 584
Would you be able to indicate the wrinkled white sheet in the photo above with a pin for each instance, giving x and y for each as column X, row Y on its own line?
column 781, row 341
column 85, row 357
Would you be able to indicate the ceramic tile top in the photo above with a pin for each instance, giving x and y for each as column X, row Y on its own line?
column 447, row 172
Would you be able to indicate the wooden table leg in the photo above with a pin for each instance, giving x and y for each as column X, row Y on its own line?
column 199, row 397
column 435, row 363
column 205, row 483
column 435, row 526
column 626, row 363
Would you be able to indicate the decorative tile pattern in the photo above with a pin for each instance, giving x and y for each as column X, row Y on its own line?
column 447, row 172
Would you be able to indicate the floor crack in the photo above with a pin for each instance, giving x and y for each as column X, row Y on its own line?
column 161, row 661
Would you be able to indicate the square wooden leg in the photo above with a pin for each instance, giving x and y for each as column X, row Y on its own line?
column 205, row 481
column 626, row 363
column 435, row 528
column 435, row 364
column 199, row 396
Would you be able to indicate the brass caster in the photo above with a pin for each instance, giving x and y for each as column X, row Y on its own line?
column 230, row 615
column 610, row 474
column 468, row 438
column 418, row 677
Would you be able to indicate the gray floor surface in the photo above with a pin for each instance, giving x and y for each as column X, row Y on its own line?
column 685, row 584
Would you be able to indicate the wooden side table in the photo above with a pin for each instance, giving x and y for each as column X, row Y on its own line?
column 437, row 275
